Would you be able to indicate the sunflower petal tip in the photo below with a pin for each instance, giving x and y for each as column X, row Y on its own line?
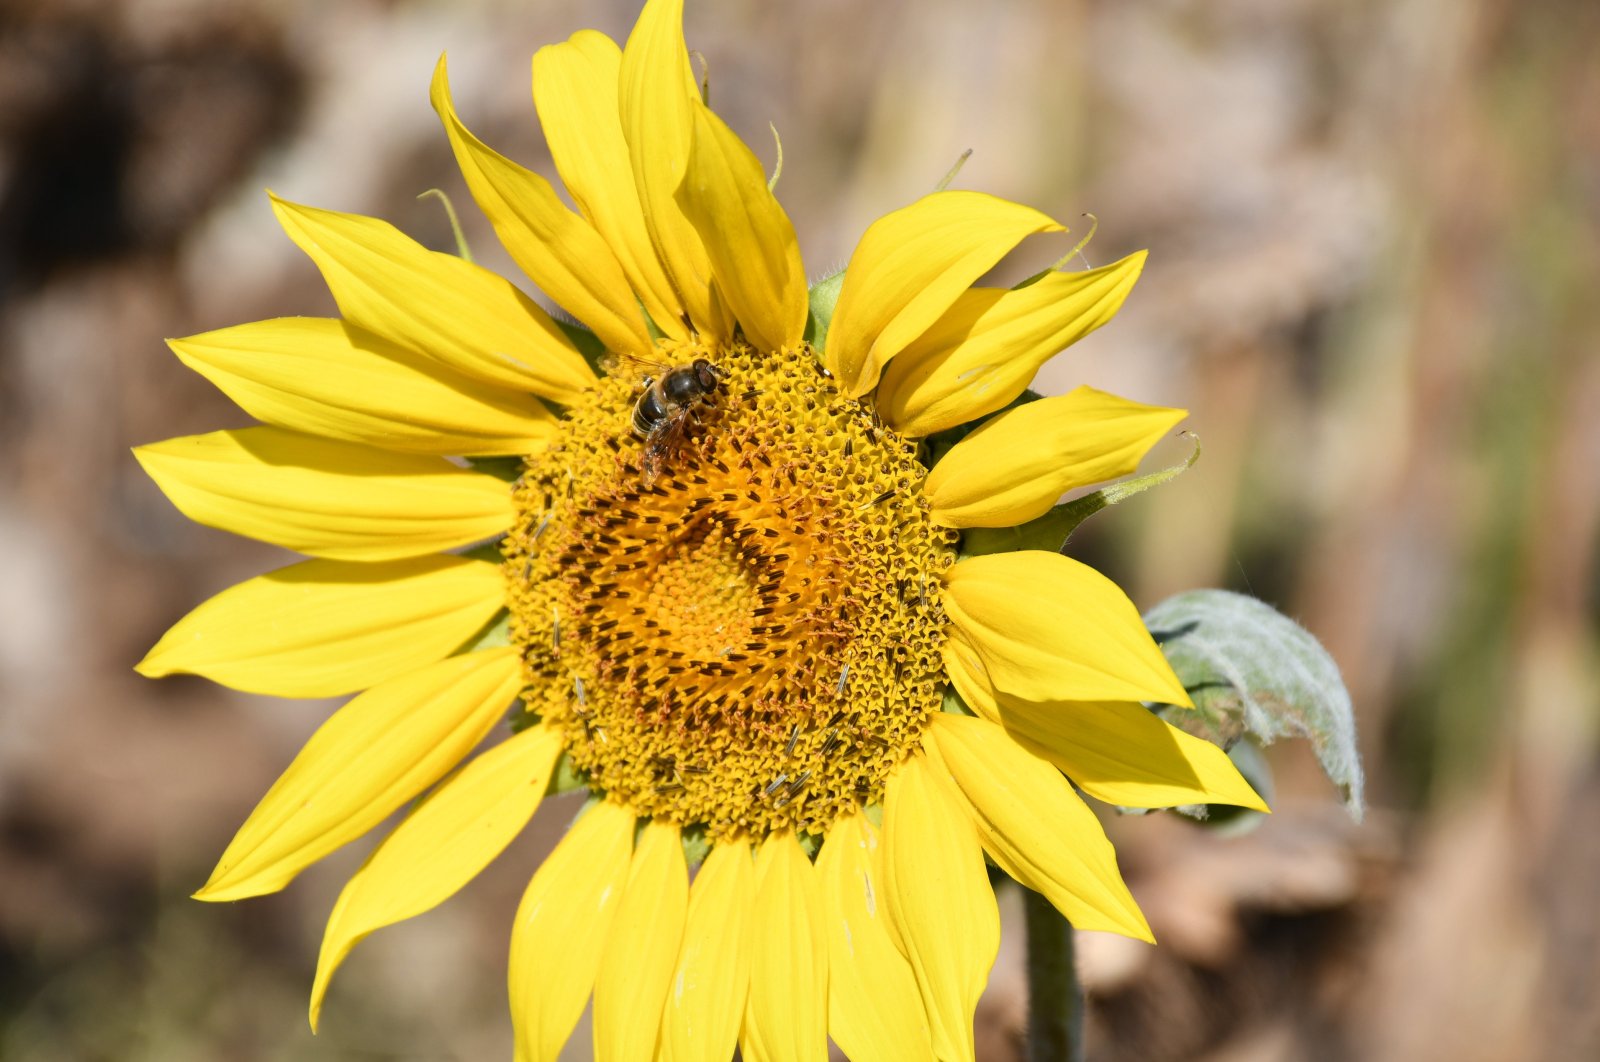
column 151, row 667
column 209, row 892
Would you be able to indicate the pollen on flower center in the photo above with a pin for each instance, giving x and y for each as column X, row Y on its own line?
column 750, row 640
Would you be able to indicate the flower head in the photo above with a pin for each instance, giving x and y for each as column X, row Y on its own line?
column 724, row 588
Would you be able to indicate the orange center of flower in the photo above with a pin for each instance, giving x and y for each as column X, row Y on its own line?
column 751, row 638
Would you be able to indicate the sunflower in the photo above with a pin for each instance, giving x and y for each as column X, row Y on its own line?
column 693, row 553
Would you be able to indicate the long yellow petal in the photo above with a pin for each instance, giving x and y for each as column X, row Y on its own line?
column 1015, row 467
column 370, row 757
column 754, row 254
column 908, row 269
column 325, row 628
column 437, row 304
column 786, row 1019
column 575, row 91
column 986, row 348
column 561, row 929
column 656, row 96
column 874, row 1009
column 630, row 990
column 966, row 672
column 324, row 498
column 939, row 899
column 328, row 377
column 560, row 251
column 452, row 835
column 1046, row 627
column 712, row 978
column 1121, row 753
column 1035, row 827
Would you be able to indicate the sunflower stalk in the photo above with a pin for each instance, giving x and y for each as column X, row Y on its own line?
column 1055, row 998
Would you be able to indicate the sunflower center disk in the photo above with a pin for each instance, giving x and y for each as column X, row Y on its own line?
column 751, row 639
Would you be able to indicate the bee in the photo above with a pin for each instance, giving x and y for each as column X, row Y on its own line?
column 672, row 395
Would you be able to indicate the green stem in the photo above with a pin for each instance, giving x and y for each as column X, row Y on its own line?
column 1055, row 998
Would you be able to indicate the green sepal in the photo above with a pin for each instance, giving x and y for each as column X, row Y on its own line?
column 1051, row 531
column 823, row 297
column 696, row 845
column 507, row 467
column 492, row 635
column 462, row 250
column 566, row 777
column 587, row 342
column 954, row 703
column 1253, row 672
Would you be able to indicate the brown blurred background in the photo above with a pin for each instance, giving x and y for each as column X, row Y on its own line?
column 1373, row 280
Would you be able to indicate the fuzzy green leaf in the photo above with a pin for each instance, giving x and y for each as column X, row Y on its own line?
column 1253, row 671
column 824, row 297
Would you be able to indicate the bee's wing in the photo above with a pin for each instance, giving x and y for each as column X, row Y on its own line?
column 663, row 441
column 614, row 362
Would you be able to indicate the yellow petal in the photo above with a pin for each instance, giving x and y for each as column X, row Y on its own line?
column 326, row 499
column 874, row 1009
column 909, row 268
column 710, row 983
column 560, row 251
column 630, row 990
column 939, row 899
column 754, row 254
column 452, row 835
column 575, row 91
column 787, row 1015
column 1122, row 754
column 986, row 348
column 1046, row 627
column 561, row 929
column 326, row 628
column 370, row 757
column 328, row 377
column 436, row 304
column 1035, row 827
column 966, row 672
column 1015, row 467
column 656, row 96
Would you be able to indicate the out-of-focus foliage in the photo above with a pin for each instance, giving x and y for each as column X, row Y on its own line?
column 1374, row 232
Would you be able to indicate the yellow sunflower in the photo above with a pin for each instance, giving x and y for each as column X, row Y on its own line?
column 723, row 593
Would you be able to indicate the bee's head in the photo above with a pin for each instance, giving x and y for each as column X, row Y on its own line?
column 706, row 375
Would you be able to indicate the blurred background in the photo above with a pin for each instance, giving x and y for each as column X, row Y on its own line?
column 1373, row 231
